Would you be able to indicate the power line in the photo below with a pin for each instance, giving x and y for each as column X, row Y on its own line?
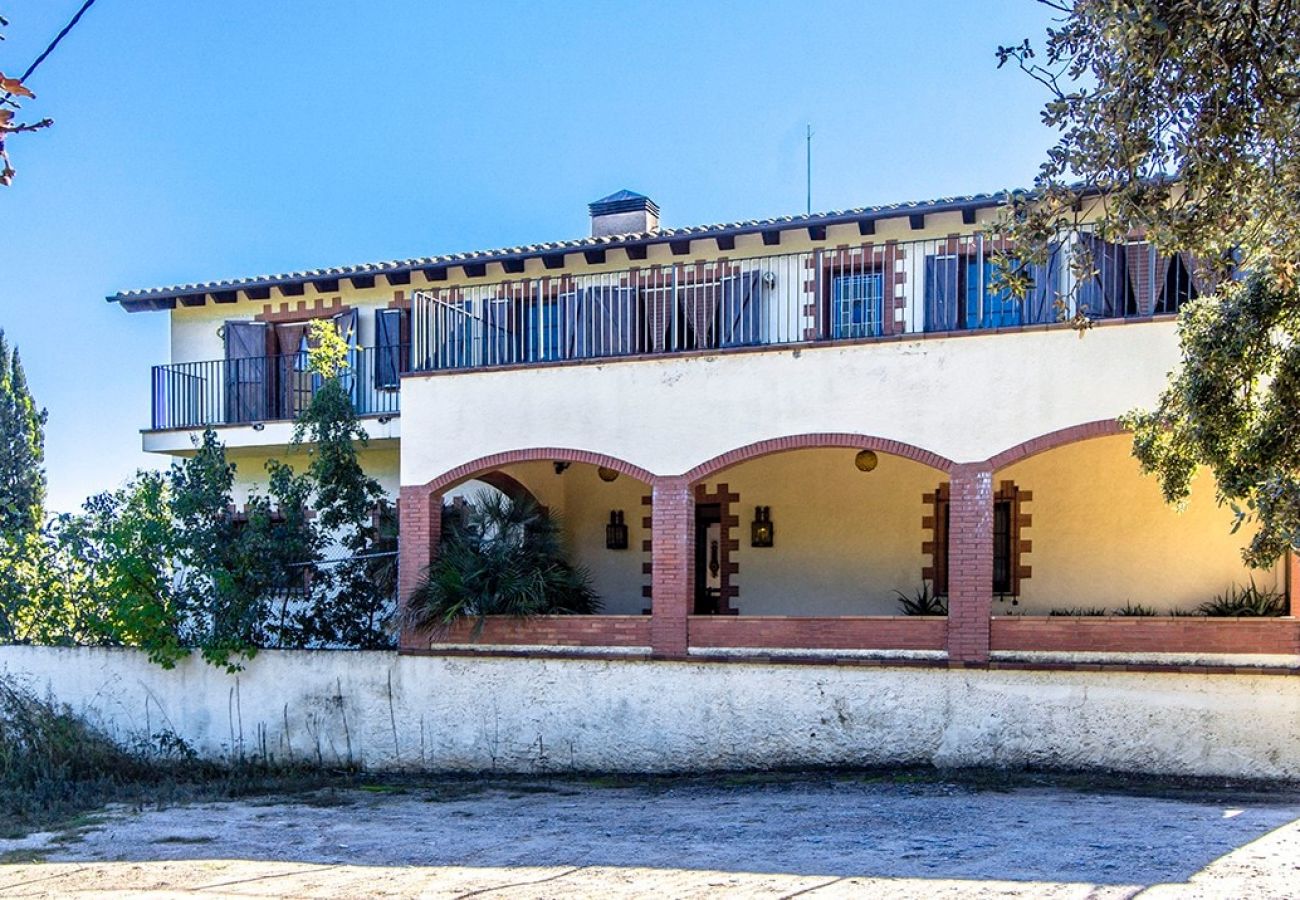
column 54, row 43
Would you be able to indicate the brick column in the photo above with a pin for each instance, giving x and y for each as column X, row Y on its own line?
column 970, row 562
column 672, row 564
column 1293, row 582
column 421, row 529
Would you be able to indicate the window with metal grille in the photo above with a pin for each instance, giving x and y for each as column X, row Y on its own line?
column 856, row 304
column 1002, row 556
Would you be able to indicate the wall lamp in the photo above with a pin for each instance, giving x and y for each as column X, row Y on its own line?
column 762, row 533
column 616, row 531
column 384, row 420
column 259, row 426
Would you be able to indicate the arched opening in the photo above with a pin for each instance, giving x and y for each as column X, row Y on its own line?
column 1098, row 537
column 810, row 543
column 596, row 502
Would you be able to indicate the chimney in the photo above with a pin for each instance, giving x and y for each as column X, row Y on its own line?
column 626, row 212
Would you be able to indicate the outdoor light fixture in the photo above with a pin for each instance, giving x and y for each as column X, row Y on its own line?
column 616, row 531
column 259, row 426
column 384, row 420
column 866, row 460
column 762, row 532
column 607, row 474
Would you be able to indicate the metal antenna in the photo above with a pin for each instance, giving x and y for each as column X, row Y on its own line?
column 810, row 134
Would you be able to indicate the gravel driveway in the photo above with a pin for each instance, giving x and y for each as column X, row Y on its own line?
column 824, row 837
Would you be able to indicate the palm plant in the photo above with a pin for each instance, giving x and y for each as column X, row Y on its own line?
column 500, row 557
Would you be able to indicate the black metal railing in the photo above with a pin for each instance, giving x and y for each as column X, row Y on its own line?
column 270, row 388
column 866, row 290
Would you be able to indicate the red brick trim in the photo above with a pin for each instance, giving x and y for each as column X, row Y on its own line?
column 819, row 632
column 469, row 470
column 301, row 310
column 1054, row 439
column 550, row 631
column 672, row 565
column 725, row 499
column 1145, row 634
column 819, row 440
column 970, row 561
column 512, row 487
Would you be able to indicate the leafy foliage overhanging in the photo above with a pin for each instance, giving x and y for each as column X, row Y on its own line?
column 1180, row 119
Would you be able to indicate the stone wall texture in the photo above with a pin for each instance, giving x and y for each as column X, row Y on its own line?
column 383, row 711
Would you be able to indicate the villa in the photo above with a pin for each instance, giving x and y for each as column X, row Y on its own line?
column 759, row 435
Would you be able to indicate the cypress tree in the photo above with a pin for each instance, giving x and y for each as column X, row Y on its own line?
column 22, row 448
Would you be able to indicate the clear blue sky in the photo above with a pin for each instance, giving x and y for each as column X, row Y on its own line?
column 207, row 140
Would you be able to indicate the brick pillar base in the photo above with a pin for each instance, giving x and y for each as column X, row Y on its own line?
column 970, row 563
column 672, row 565
column 421, row 530
column 1293, row 582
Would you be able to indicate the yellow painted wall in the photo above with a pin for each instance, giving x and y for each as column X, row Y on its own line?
column 1103, row 536
column 845, row 540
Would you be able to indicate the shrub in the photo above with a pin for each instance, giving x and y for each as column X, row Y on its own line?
column 922, row 603
column 1250, row 600
column 1134, row 609
column 1078, row 611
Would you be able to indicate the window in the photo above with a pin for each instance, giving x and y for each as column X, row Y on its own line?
column 1002, row 557
column 856, row 305
column 960, row 294
column 1008, row 526
column 544, row 330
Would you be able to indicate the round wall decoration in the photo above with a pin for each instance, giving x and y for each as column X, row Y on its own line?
column 866, row 460
column 607, row 474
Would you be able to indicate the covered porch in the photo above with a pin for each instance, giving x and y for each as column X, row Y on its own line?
column 845, row 547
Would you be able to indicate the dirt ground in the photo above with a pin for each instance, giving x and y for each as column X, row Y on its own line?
column 819, row 836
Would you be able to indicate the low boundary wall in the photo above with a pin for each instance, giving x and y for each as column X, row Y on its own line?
column 382, row 711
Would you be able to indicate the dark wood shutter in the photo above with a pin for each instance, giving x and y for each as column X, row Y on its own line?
column 388, row 347
column 246, row 380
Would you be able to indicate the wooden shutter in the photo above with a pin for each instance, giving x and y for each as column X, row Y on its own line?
column 388, row 347
column 246, row 370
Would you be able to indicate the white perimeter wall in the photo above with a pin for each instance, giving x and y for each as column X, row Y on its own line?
column 526, row 715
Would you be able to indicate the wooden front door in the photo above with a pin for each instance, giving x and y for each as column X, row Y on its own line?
column 708, row 523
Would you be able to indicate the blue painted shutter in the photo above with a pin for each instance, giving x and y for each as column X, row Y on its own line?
column 941, row 280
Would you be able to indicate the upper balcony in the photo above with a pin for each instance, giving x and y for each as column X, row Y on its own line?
column 256, row 390
column 851, row 293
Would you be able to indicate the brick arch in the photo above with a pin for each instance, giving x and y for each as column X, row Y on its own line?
column 478, row 467
column 1053, row 439
column 511, row 487
column 817, row 441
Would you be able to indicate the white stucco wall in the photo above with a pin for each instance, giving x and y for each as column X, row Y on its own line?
column 965, row 398
column 383, row 711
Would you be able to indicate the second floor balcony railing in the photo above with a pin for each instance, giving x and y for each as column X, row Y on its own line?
column 867, row 290
column 259, row 389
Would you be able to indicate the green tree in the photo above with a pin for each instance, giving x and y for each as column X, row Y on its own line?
column 352, row 598
column 1181, row 119
column 22, row 448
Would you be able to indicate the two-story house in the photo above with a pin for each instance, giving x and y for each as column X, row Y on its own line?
column 759, row 434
